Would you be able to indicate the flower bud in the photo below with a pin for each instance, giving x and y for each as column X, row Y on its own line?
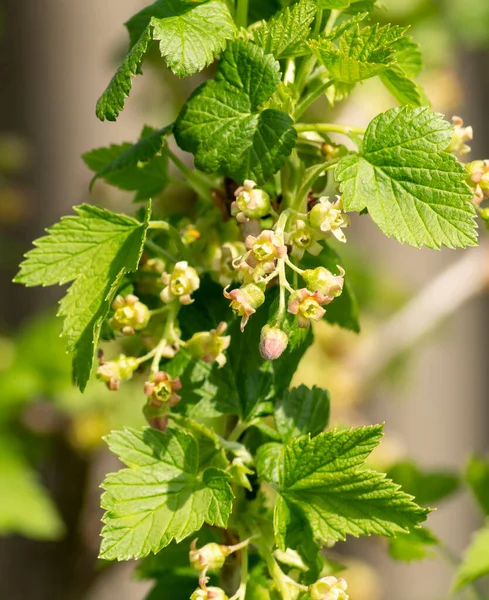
column 114, row 371
column 209, row 593
column 301, row 237
column 328, row 588
column 153, row 265
column 130, row 315
column 250, row 203
column 322, row 280
column 180, row 284
column 307, row 306
column 328, row 218
column 210, row 345
column 245, row 300
column 461, row 135
column 161, row 389
column 211, row 556
column 273, row 342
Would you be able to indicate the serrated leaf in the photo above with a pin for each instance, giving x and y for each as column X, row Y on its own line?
column 268, row 459
column 189, row 35
column 361, row 54
column 211, row 451
column 333, row 4
column 477, row 476
column 301, row 411
column 324, row 478
column 112, row 100
column 223, row 126
column 162, row 496
column 343, row 311
column 132, row 167
column 284, row 35
column 412, row 188
column 94, row 250
column 475, row 563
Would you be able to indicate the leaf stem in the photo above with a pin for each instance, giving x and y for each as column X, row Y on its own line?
column 199, row 182
column 241, row 14
column 159, row 250
column 330, row 128
column 311, row 97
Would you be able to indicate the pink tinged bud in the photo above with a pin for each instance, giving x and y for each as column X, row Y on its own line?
column 328, row 588
column 114, row 371
column 245, row 300
column 211, row 556
column 273, row 342
column 322, row 280
column 130, row 315
column 307, row 306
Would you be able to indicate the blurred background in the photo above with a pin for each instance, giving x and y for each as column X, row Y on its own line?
column 419, row 363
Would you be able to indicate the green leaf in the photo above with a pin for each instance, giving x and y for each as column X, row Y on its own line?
column 477, row 476
column 324, row 478
column 302, row 410
column 223, row 126
column 398, row 79
column 361, row 54
column 190, row 36
column 211, row 452
column 475, row 563
column 284, row 35
column 333, row 4
column 268, row 460
column 112, row 100
column 94, row 250
column 162, row 496
column 412, row 188
column 343, row 311
column 132, row 167
column 428, row 487
column 25, row 506
column 415, row 545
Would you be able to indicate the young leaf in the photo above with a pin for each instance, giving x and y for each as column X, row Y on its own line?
column 477, row 476
column 190, row 36
column 112, row 100
column 413, row 189
column 415, row 545
column 223, row 125
column 132, row 167
column 284, row 35
column 162, row 496
column 398, row 79
column 361, row 54
column 94, row 250
column 475, row 563
column 300, row 411
column 324, row 478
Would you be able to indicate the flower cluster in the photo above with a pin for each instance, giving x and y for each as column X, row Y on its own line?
column 461, row 135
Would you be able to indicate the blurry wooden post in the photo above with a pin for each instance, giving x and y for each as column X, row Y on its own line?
column 55, row 61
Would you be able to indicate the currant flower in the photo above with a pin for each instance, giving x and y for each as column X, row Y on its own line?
column 273, row 342
column 210, row 345
column 222, row 262
column 153, row 265
column 250, row 203
column 478, row 179
column 328, row 217
column 112, row 372
column 130, row 315
column 161, row 389
column 263, row 251
column 211, row 556
column 329, row 588
column 461, row 135
column 180, row 284
column 322, row 280
column 307, row 306
column 209, row 593
column 302, row 238
column 245, row 300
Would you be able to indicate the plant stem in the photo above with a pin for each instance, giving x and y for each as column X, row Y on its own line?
column 199, row 182
column 175, row 235
column 329, row 128
column 159, row 250
column 241, row 14
column 238, row 430
column 311, row 97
